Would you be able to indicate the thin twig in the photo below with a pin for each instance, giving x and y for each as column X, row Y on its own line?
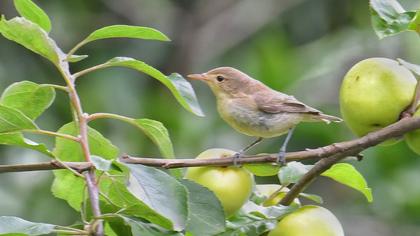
column 51, row 133
column 102, row 115
column 105, row 197
column 59, row 227
column 90, row 69
column 69, row 232
column 75, row 48
column 56, row 86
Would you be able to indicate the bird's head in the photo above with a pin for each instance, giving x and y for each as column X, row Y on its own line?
column 224, row 81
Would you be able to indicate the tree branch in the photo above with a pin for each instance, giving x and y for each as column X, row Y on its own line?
column 329, row 154
column 81, row 119
column 51, row 165
column 393, row 131
column 343, row 149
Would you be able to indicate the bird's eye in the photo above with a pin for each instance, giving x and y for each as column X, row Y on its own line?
column 220, row 78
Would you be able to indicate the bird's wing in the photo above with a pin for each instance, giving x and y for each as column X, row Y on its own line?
column 282, row 103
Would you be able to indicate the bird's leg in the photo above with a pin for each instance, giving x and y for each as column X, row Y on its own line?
column 238, row 155
column 281, row 159
column 257, row 141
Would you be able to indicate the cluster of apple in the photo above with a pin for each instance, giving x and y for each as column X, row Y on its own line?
column 233, row 186
column 374, row 94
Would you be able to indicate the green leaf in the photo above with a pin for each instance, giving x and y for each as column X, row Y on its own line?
column 205, row 212
column 15, row 225
column 189, row 100
column 123, row 31
column 13, row 120
column 100, row 163
column 32, row 37
column 67, row 186
column 109, row 231
column 312, row 197
column 119, row 195
column 348, row 175
column 32, row 12
column 17, row 139
column 126, row 31
column 30, row 98
column 76, row 58
column 139, row 228
column 155, row 130
column 180, row 87
column 248, row 225
column 292, row 172
column 389, row 18
column 263, row 169
column 158, row 134
column 254, row 219
column 415, row 23
column 269, row 212
column 161, row 192
column 68, row 150
column 116, row 226
column 412, row 67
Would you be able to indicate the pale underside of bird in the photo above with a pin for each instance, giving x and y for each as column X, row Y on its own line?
column 269, row 115
column 254, row 109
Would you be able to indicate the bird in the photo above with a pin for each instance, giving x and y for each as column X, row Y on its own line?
column 254, row 109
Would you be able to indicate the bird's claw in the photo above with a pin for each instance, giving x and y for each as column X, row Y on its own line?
column 281, row 158
column 236, row 157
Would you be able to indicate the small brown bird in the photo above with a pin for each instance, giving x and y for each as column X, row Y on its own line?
column 254, row 109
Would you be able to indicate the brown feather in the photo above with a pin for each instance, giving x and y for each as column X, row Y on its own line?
column 281, row 103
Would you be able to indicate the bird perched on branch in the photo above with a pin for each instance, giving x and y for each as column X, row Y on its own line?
column 254, row 109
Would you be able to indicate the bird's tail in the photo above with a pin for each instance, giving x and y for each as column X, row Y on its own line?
column 316, row 117
column 328, row 119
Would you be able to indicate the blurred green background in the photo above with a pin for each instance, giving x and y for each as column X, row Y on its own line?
column 301, row 47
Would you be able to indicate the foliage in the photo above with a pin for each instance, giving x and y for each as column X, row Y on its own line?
column 390, row 18
column 137, row 199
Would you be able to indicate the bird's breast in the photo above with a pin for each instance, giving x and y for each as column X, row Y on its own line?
column 243, row 115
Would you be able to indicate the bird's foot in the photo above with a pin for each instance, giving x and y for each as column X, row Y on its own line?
column 281, row 158
column 236, row 158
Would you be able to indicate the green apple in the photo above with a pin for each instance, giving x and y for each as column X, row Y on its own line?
column 266, row 190
column 373, row 94
column 232, row 185
column 413, row 138
column 308, row 220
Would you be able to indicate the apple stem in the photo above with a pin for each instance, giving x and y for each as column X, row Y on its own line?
column 274, row 194
column 411, row 109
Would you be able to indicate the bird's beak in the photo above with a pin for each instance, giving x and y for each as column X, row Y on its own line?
column 197, row 76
